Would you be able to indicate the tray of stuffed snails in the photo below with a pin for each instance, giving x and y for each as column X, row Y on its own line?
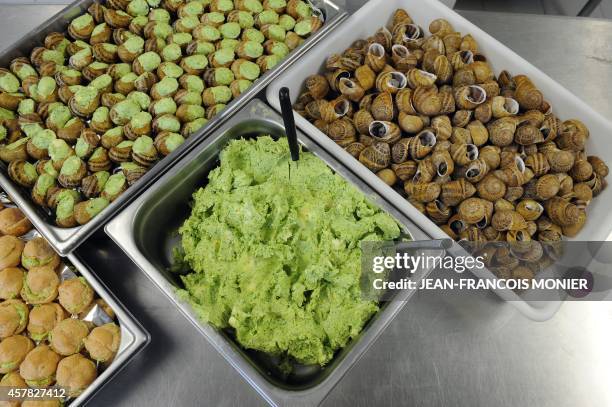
column 459, row 132
column 99, row 100
column 60, row 328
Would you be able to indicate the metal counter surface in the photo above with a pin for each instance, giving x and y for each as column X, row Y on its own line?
column 443, row 349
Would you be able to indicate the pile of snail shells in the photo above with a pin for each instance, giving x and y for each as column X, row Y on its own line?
column 89, row 111
column 484, row 157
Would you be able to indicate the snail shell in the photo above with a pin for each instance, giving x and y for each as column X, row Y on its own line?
column 410, row 123
column 575, row 127
column 538, row 164
column 442, row 127
column 391, row 82
column 384, row 37
column 504, row 107
column 581, row 170
column 484, row 112
column 473, row 210
column 402, row 58
column 493, row 235
column 529, row 209
column 527, row 134
column 342, row 132
column 599, row 166
column 478, row 133
column 457, row 225
column 422, row 144
column 452, row 42
column 528, row 96
column 443, row 69
column 476, row 170
column 422, row 192
column 351, row 89
column 482, row 71
column 582, row 195
column 366, row 77
column 333, row 78
column 434, row 42
column 562, row 212
column 419, row 78
column 361, row 120
column 468, row 43
column 443, row 163
column 503, row 205
column 447, row 101
column 515, row 175
column 317, row 86
column 571, row 141
column 491, row 89
column 321, row 109
column 387, row 132
column 405, row 170
column 456, row 191
column 400, row 151
column 400, row 17
column 462, row 118
column 491, row 188
column 438, row 212
column 463, row 153
column 501, row 131
column 534, row 118
column 596, row 183
column 566, row 184
column 355, row 149
column 341, row 62
column 388, row 176
column 508, row 220
column 376, row 157
column 543, row 188
column 514, row 193
column 461, row 59
column 425, row 171
column 426, row 101
column 382, row 107
column 560, row 160
column 491, row 155
column 464, row 77
column 468, row 97
column 376, row 57
column 573, row 229
column 461, row 136
column 403, row 99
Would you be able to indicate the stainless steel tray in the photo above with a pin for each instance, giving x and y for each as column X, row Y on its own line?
column 66, row 240
column 146, row 231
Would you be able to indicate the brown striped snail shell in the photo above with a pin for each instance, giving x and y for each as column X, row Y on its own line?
column 461, row 59
column 491, row 188
column 468, row 43
column 573, row 229
column 473, row 210
column 443, row 69
column 599, row 166
column 538, row 164
column 575, row 126
column 428, row 60
column 366, row 140
column 547, row 147
column 514, row 176
column 503, row 205
column 447, row 101
column 317, row 86
column 566, row 184
column 501, row 131
column 388, row 176
column 376, row 157
column 351, row 89
column 443, row 163
column 382, row 107
column 400, row 152
column 355, row 149
column 491, row 89
column 365, row 76
column 384, row 37
column 457, row 225
column 508, row 220
column 426, row 101
column 419, row 78
column 400, row 17
column 425, row 172
column 361, row 120
column 476, row 170
column 582, row 195
column 342, row 132
column 321, row 109
column 529, row 209
column 410, row 123
column 596, row 183
column 422, row 192
column 504, row 107
column 403, row 100
column 452, row 42
column 560, row 160
column 456, row 191
column 527, row 134
column 442, row 127
column 534, row 118
column 434, row 42
column 376, row 57
column 463, row 153
column 462, row 118
column 571, row 141
column 383, row 131
column 562, row 212
column 581, row 170
column 484, row 112
column 473, row 234
column 528, row 96
column 391, row 82
column 461, row 136
column 468, row 97
column 422, row 144
column 438, row 212
column 333, row 78
column 402, row 58
column 341, row 62
column 464, row 77
column 491, row 155
column 543, row 188
column 405, row 170
column 478, row 132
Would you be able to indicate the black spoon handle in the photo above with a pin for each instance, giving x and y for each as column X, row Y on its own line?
column 287, row 110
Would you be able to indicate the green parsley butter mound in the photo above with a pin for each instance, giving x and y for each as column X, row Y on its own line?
column 279, row 259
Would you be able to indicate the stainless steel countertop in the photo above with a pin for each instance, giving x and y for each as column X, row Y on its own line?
column 442, row 350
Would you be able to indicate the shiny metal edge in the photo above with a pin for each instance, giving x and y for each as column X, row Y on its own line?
column 134, row 338
column 121, row 231
column 64, row 241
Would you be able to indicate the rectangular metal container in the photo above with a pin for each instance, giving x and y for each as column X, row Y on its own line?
column 134, row 337
column 147, row 232
column 378, row 13
column 66, row 240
